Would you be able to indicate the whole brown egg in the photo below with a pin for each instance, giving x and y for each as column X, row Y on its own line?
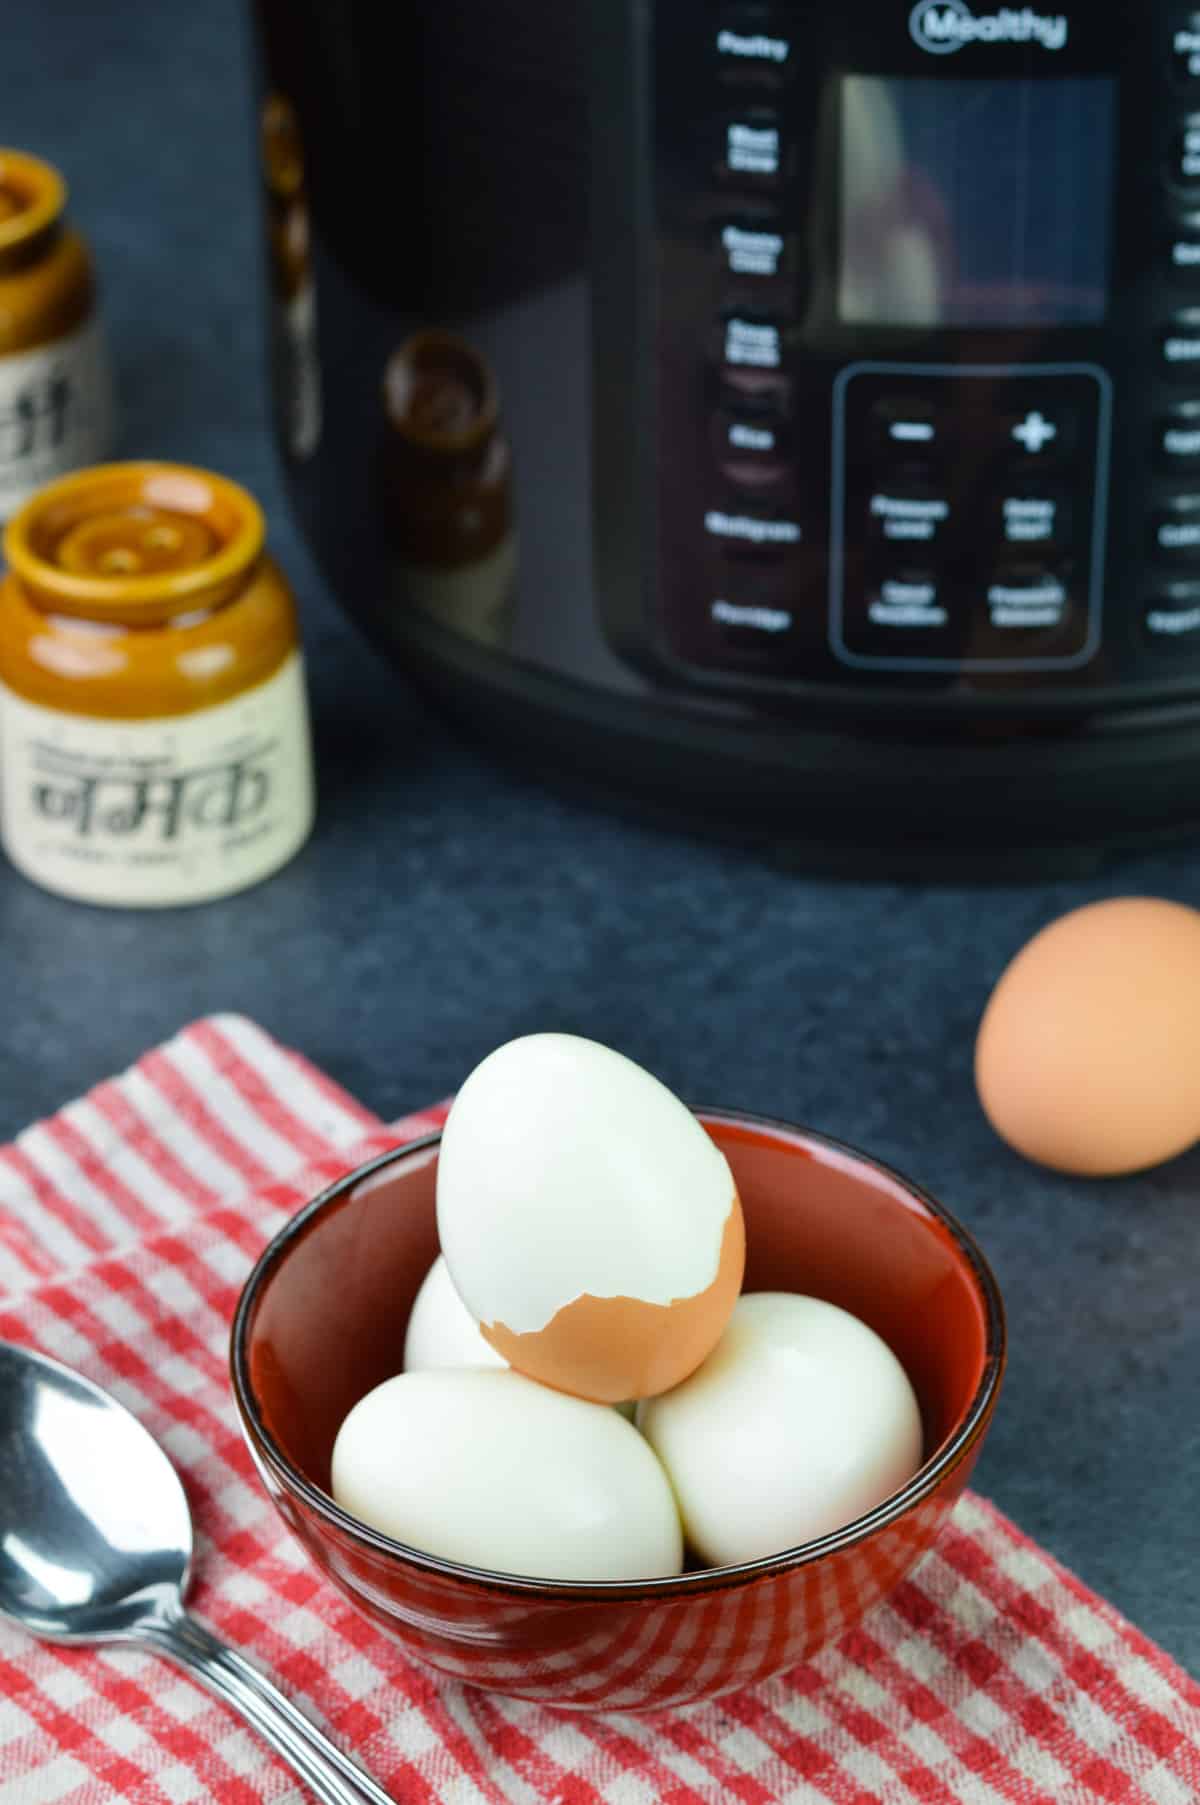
column 1088, row 1056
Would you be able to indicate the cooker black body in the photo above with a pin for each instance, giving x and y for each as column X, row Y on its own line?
column 775, row 418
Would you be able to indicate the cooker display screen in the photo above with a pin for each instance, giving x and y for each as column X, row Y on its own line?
column 976, row 203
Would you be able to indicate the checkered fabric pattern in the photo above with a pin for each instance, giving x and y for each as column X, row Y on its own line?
column 127, row 1224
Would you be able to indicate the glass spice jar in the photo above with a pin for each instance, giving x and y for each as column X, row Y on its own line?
column 55, row 387
column 154, row 737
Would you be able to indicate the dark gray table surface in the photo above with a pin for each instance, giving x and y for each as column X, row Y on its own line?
column 445, row 905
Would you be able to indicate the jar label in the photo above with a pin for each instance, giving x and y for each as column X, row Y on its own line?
column 147, row 813
column 55, row 412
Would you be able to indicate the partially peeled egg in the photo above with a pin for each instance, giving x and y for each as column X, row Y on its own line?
column 589, row 1224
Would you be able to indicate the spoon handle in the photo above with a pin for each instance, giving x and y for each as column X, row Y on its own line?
column 332, row 1776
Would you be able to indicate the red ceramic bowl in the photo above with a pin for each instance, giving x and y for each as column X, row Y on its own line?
column 322, row 1319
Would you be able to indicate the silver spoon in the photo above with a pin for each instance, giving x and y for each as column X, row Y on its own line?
column 96, row 1546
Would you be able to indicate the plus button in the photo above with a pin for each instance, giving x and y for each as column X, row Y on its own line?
column 1035, row 432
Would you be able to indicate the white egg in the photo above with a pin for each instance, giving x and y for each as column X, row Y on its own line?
column 441, row 1330
column 591, row 1226
column 800, row 1421
column 496, row 1471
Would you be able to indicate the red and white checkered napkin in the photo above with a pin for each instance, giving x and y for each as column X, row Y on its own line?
column 126, row 1226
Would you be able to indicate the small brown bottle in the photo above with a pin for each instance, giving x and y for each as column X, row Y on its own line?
column 55, row 387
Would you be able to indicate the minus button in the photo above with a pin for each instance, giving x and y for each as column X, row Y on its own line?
column 904, row 422
column 911, row 432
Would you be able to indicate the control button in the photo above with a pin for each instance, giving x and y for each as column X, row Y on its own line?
column 1038, row 434
column 1183, row 160
column 1185, row 51
column 1035, row 433
column 754, row 46
column 750, row 351
column 1179, row 346
column 756, row 251
column 1031, row 516
column 1175, row 531
column 751, row 437
column 750, row 626
column 751, row 532
column 907, row 423
column 755, row 344
column 1171, row 617
column 910, row 511
column 910, row 600
column 1177, row 437
column 753, row 153
column 1183, row 257
column 1025, row 598
column 752, row 453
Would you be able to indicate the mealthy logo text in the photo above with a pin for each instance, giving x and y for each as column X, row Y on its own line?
column 942, row 26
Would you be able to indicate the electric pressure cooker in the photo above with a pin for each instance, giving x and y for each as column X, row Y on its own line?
column 776, row 415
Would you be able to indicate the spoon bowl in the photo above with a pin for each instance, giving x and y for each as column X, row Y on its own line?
column 95, row 1532
column 96, row 1546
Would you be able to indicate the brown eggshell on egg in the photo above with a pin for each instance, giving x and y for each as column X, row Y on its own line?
column 612, row 1348
column 1088, row 1056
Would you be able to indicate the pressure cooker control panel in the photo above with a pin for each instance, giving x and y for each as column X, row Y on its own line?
column 968, row 515
column 925, row 342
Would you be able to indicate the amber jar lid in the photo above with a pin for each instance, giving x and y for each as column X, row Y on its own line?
column 33, row 197
column 135, row 543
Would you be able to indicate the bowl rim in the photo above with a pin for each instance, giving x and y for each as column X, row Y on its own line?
column 925, row 1482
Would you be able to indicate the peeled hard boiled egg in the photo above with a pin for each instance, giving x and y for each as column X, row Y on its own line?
column 1089, row 1050
column 589, row 1223
column 493, row 1470
column 799, row 1422
column 441, row 1330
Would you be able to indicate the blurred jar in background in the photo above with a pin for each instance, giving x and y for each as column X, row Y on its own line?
column 154, row 738
column 447, row 481
column 55, row 385
column 297, row 371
